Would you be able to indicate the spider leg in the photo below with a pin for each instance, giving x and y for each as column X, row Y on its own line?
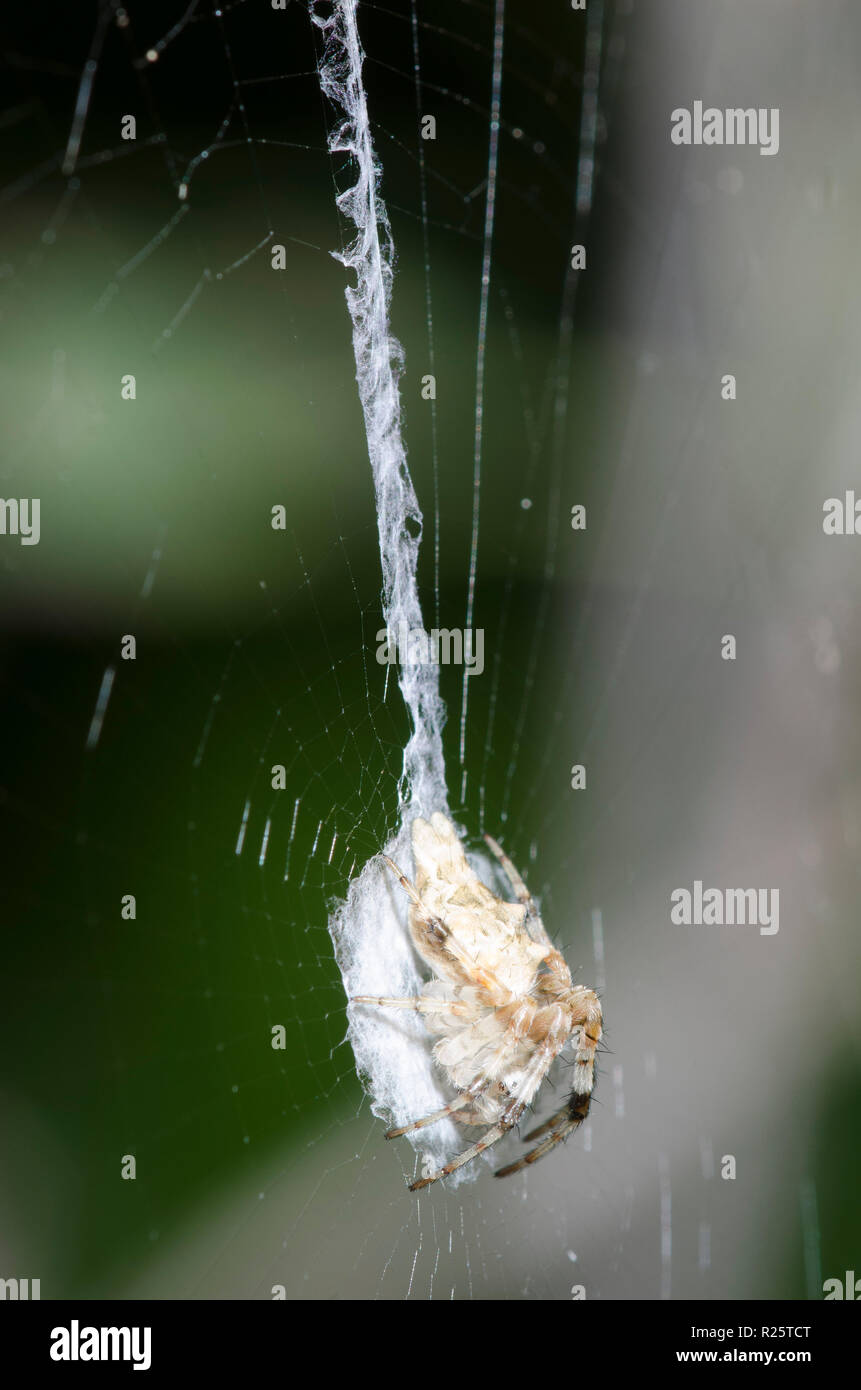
column 511, row 1115
column 421, row 1004
column 550, row 1124
column 521, row 892
column 440, row 935
column 576, row 1112
column 478, row 1084
column 491, row 1136
column 539, row 1151
column 466, row 1098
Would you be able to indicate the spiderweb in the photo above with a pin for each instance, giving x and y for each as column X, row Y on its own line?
column 253, row 516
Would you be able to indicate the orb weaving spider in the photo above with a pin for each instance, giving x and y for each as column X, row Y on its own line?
column 502, row 1004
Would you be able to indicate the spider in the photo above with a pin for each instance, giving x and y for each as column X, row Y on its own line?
column 502, row 1005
